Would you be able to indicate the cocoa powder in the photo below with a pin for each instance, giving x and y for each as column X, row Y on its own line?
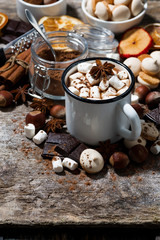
column 55, row 87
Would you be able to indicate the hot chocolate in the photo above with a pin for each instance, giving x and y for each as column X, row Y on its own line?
column 97, row 81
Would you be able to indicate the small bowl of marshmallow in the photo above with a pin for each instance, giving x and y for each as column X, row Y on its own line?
column 115, row 15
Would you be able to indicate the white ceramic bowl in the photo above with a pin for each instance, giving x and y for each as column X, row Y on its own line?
column 116, row 27
column 54, row 9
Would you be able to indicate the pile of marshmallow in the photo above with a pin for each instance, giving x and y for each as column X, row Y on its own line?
column 114, row 10
column 82, row 84
column 146, row 68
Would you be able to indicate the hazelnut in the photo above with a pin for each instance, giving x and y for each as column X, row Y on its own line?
column 58, row 111
column 138, row 153
column 152, row 99
column 119, row 160
column 141, row 109
column 37, row 118
column 6, row 98
column 141, row 92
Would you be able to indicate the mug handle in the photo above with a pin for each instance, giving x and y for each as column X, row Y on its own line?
column 134, row 120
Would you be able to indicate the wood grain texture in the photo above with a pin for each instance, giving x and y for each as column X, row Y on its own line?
column 32, row 194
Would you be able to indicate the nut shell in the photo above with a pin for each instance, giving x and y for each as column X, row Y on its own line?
column 152, row 99
column 37, row 118
column 58, row 111
column 138, row 153
column 6, row 98
column 119, row 160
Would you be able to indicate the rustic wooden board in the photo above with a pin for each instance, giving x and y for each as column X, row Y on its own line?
column 32, row 194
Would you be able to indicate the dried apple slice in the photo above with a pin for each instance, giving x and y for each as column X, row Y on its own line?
column 135, row 41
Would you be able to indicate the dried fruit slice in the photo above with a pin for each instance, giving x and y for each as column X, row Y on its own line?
column 154, row 30
column 3, row 20
column 63, row 23
column 135, row 41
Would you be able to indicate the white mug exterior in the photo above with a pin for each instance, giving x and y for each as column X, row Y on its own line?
column 92, row 121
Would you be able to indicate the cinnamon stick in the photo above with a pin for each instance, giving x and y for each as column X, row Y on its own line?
column 16, row 72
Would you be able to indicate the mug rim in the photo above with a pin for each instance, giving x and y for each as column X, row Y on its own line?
column 117, row 98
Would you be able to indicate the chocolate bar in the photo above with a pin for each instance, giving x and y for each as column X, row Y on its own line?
column 63, row 144
column 154, row 115
column 14, row 29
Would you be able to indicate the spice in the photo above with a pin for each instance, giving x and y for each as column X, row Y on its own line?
column 101, row 70
column 20, row 93
column 44, row 105
column 54, row 124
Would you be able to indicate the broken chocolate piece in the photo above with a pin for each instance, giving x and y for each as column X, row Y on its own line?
column 63, row 144
column 154, row 115
column 77, row 152
column 22, row 28
column 11, row 26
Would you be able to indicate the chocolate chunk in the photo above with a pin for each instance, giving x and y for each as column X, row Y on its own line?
column 64, row 144
column 154, row 115
column 22, row 28
column 77, row 152
column 7, row 38
column 11, row 26
column 49, row 151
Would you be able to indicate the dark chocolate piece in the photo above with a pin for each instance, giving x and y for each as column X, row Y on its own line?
column 64, row 144
column 75, row 155
column 7, row 38
column 49, row 151
column 154, row 115
column 11, row 26
column 22, row 28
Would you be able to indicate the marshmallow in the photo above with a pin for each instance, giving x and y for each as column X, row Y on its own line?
column 75, row 82
column 136, row 7
column 134, row 99
column 156, row 56
column 84, row 92
column 123, row 75
column 102, row 11
column 40, row 137
column 155, row 148
column 124, row 2
column 29, row 130
column 104, row 97
column 127, row 82
column 150, row 66
column 69, row 163
column 91, row 79
column 110, row 92
column 129, row 144
column 57, row 164
column 134, row 64
column 104, row 84
column 74, row 90
column 89, row 7
column 120, row 13
column 76, row 75
column 116, row 83
column 95, row 92
column 84, row 67
column 122, row 90
column 91, row 161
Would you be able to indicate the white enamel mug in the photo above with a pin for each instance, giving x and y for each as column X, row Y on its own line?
column 92, row 121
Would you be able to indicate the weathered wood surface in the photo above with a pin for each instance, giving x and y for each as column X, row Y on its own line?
column 32, row 194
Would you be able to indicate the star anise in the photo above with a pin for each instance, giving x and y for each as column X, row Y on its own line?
column 54, row 125
column 107, row 149
column 102, row 70
column 44, row 105
column 20, row 93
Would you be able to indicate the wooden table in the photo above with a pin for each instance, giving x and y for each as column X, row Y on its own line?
column 31, row 194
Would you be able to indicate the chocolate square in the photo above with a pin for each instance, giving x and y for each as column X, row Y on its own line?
column 11, row 26
column 22, row 28
column 154, row 115
column 75, row 154
column 49, row 151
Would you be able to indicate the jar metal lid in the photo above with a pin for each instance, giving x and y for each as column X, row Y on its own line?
column 98, row 38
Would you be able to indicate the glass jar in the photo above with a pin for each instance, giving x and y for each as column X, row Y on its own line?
column 100, row 40
column 44, row 72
